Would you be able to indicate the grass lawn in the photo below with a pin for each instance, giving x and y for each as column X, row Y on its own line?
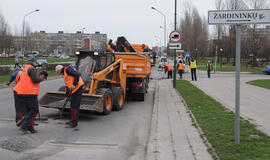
column 218, row 125
column 264, row 83
column 11, row 61
column 5, row 78
column 230, row 68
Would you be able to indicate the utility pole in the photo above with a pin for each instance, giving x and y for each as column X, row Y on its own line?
column 174, row 55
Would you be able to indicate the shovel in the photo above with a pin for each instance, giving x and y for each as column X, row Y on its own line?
column 65, row 103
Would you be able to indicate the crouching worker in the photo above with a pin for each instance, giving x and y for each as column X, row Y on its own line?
column 28, row 91
column 74, row 84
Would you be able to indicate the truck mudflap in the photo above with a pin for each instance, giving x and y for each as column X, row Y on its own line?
column 89, row 102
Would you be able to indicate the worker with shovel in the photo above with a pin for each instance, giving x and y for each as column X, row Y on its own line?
column 74, row 84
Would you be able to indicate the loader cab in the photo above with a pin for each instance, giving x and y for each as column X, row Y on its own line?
column 89, row 62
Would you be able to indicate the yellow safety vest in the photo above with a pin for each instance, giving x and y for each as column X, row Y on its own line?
column 193, row 64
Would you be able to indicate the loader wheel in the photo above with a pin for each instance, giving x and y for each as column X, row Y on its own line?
column 118, row 98
column 108, row 100
column 62, row 88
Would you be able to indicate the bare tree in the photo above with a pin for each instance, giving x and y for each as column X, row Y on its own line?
column 194, row 30
column 256, row 42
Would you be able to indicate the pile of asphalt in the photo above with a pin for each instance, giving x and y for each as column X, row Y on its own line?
column 19, row 143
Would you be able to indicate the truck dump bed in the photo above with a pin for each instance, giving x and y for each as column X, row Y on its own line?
column 137, row 64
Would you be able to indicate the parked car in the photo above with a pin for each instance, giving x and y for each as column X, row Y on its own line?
column 266, row 69
column 162, row 62
column 41, row 62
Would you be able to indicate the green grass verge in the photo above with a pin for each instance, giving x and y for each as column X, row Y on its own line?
column 218, row 125
column 264, row 83
column 5, row 77
column 229, row 68
column 11, row 61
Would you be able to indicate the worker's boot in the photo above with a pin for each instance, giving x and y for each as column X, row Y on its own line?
column 73, row 124
column 32, row 129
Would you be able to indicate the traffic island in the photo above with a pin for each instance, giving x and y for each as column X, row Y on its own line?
column 217, row 123
column 264, row 83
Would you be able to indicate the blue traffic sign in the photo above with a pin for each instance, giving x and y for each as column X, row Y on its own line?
column 187, row 54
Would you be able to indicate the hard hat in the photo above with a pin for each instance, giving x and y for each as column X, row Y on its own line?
column 58, row 67
column 32, row 59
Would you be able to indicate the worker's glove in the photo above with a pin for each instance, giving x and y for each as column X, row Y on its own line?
column 8, row 83
column 72, row 87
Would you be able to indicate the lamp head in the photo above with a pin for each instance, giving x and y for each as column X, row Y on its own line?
column 153, row 8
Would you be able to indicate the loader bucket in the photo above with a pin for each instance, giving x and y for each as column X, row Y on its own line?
column 89, row 102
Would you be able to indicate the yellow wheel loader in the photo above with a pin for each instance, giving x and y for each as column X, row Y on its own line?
column 109, row 78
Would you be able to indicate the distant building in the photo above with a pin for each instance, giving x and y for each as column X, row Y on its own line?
column 67, row 43
column 60, row 42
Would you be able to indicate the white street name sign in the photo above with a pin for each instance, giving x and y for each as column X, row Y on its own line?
column 255, row 16
column 175, row 45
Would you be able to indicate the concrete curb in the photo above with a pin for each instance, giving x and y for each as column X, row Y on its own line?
column 197, row 126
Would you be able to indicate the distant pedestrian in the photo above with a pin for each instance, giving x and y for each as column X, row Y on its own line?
column 17, row 63
column 168, row 68
column 209, row 68
column 193, row 67
column 19, row 107
column 180, row 68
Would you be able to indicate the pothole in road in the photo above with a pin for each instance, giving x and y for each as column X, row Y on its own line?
column 82, row 144
column 19, row 143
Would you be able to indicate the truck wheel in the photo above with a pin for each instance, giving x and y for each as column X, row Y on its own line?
column 62, row 88
column 108, row 100
column 118, row 98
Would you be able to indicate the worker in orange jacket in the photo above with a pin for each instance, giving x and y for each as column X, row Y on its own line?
column 28, row 91
column 74, row 84
column 209, row 68
column 168, row 68
column 180, row 69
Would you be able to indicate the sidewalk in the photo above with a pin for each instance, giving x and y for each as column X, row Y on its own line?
column 172, row 136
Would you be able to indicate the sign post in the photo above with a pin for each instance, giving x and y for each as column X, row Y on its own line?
column 238, row 17
column 175, row 38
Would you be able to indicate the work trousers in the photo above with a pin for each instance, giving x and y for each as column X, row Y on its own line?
column 170, row 74
column 209, row 73
column 180, row 72
column 193, row 74
column 30, row 103
column 19, row 107
column 75, row 103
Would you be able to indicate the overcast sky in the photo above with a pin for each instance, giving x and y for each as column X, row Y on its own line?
column 133, row 19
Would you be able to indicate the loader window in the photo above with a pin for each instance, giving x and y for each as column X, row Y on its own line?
column 103, row 62
column 86, row 68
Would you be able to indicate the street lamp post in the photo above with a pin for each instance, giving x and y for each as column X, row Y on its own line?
column 22, row 49
column 164, row 24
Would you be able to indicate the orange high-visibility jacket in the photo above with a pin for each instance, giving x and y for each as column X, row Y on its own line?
column 180, row 66
column 169, row 67
column 208, row 67
column 69, row 81
column 18, row 76
column 25, row 85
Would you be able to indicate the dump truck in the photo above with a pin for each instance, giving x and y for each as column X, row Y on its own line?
column 109, row 78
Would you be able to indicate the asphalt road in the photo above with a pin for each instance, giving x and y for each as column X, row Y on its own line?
column 121, row 135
